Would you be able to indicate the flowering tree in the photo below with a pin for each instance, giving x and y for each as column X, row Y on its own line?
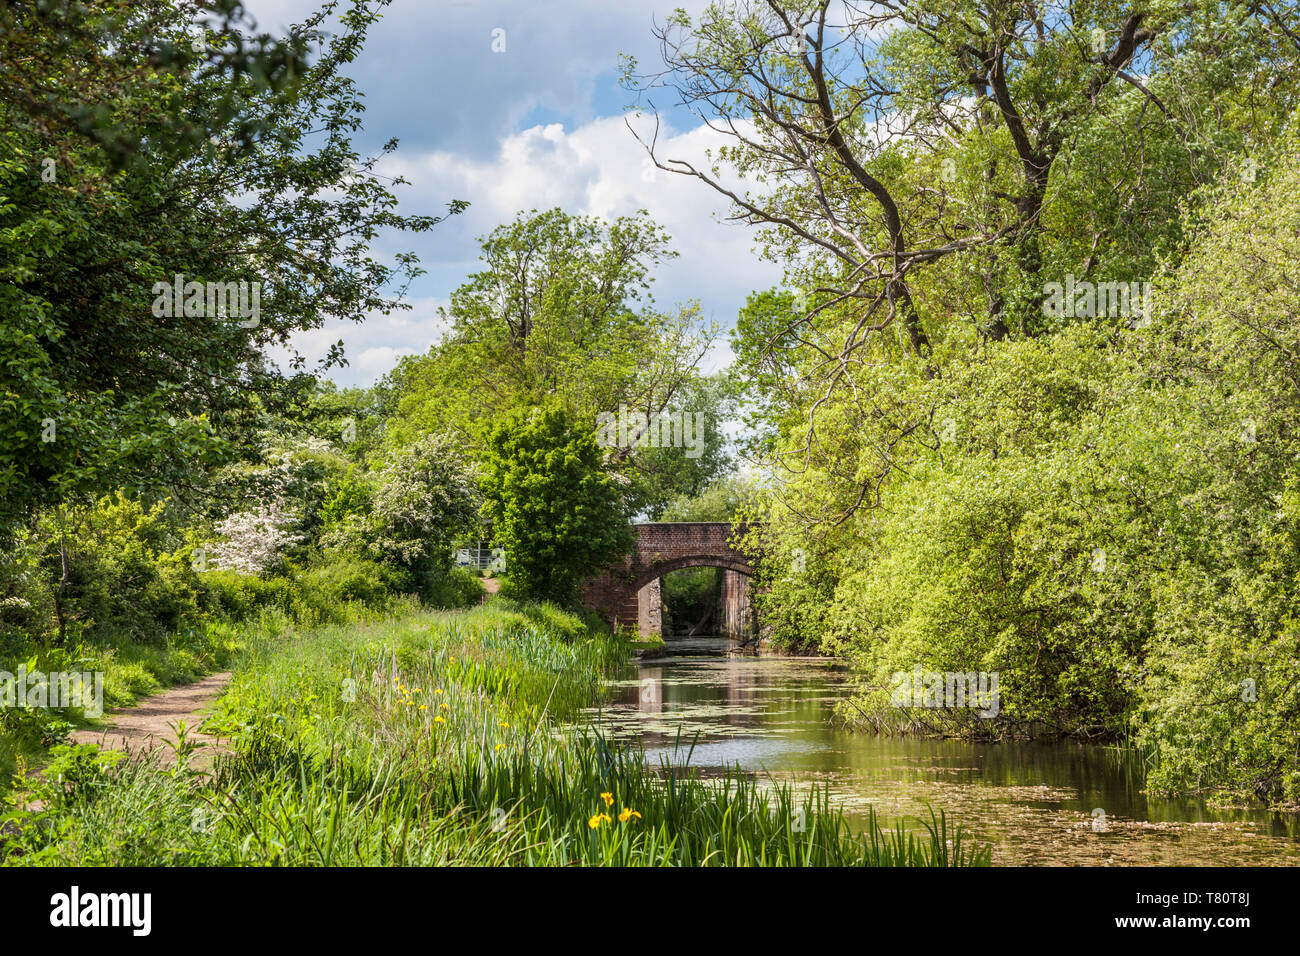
column 425, row 500
column 255, row 540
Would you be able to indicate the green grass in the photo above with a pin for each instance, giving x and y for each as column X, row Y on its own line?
column 134, row 669
column 652, row 642
column 440, row 738
column 131, row 670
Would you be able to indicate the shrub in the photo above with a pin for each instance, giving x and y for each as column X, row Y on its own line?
column 255, row 541
column 348, row 580
column 555, row 509
column 425, row 499
column 121, row 573
column 238, row 596
column 452, row 588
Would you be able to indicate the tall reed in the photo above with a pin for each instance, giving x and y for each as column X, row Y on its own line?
column 446, row 738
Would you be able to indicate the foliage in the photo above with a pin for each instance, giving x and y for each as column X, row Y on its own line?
column 727, row 499
column 451, row 588
column 561, row 313
column 349, row 581
column 553, row 508
column 255, row 541
column 923, row 171
column 131, row 670
column 1221, row 701
column 663, row 475
column 127, row 158
column 114, row 565
column 1105, row 519
column 424, row 501
column 689, row 595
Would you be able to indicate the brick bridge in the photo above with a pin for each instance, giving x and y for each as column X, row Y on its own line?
column 630, row 593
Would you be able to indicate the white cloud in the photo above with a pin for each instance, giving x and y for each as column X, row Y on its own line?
column 431, row 75
column 372, row 347
column 597, row 169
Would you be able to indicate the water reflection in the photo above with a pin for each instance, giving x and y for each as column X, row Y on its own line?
column 1036, row 803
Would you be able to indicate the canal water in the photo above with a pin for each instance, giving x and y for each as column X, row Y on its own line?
column 1041, row 803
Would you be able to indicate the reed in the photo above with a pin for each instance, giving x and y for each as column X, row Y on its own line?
column 447, row 738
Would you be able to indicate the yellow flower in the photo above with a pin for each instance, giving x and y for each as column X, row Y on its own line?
column 504, row 724
column 499, row 746
column 597, row 819
column 628, row 815
column 446, row 707
column 608, row 798
column 423, row 707
column 437, row 690
column 438, row 720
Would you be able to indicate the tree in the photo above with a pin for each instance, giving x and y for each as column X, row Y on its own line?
column 922, row 169
column 561, row 311
column 888, row 138
column 1222, row 696
column 423, row 502
column 702, row 455
column 255, row 541
column 728, row 499
column 220, row 159
column 553, row 507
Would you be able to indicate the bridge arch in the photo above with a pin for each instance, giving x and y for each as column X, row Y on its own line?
column 668, row 566
column 627, row 594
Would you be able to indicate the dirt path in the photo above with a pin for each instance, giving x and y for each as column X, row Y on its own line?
column 148, row 726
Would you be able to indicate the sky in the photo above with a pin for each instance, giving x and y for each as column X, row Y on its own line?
column 538, row 124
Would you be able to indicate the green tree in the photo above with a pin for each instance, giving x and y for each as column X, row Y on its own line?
column 560, row 311
column 727, row 499
column 559, row 515
column 685, row 470
column 923, row 170
column 1107, row 517
column 220, row 159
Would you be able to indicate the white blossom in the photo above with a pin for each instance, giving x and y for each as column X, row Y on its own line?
column 255, row 540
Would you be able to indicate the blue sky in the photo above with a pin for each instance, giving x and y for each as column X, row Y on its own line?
column 538, row 125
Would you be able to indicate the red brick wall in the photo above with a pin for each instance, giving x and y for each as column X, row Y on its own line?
column 737, row 622
column 662, row 547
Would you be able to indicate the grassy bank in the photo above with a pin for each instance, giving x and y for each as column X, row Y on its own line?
column 158, row 624
column 436, row 737
column 135, row 667
column 131, row 670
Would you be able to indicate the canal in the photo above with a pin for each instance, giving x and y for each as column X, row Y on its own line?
column 1038, row 803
